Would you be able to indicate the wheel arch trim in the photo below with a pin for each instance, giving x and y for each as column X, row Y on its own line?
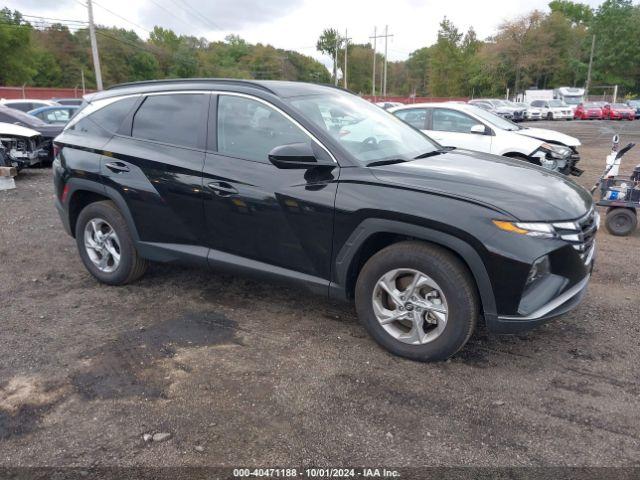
column 81, row 185
column 372, row 226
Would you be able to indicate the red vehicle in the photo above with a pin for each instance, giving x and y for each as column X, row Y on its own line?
column 588, row 111
column 618, row 111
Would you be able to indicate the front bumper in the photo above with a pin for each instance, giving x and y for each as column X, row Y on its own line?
column 560, row 305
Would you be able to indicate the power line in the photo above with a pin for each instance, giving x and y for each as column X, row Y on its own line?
column 196, row 12
column 121, row 17
column 172, row 15
column 56, row 19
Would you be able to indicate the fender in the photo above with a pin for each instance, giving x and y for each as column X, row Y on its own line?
column 370, row 226
column 80, row 184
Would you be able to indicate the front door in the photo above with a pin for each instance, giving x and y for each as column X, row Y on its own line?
column 258, row 215
column 452, row 128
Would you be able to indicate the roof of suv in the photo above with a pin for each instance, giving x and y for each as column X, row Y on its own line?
column 279, row 88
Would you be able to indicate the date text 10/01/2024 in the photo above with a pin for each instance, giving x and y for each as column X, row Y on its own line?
column 316, row 472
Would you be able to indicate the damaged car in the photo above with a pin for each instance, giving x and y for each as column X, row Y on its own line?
column 46, row 131
column 20, row 147
column 473, row 128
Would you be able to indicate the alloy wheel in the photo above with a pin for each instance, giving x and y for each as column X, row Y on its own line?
column 102, row 245
column 410, row 306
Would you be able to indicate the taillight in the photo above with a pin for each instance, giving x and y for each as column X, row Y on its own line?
column 65, row 193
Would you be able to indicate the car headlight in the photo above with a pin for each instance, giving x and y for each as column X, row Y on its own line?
column 530, row 229
column 556, row 151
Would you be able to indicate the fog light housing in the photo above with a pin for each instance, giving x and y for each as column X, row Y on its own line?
column 539, row 270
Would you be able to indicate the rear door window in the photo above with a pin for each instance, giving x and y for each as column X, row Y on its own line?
column 177, row 119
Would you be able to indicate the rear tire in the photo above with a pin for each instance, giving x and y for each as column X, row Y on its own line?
column 621, row 221
column 440, row 335
column 112, row 243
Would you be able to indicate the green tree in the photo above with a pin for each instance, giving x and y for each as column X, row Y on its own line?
column 329, row 44
column 578, row 13
column 616, row 26
column 18, row 65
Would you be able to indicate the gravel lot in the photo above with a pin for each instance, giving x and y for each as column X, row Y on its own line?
column 240, row 372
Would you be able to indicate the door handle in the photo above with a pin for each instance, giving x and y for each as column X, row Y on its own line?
column 222, row 189
column 117, row 167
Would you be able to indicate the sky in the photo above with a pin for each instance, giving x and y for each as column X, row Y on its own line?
column 294, row 24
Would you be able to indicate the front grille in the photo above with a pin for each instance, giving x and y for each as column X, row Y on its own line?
column 581, row 234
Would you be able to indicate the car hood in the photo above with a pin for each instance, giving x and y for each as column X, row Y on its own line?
column 17, row 130
column 550, row 136
column 522, row 190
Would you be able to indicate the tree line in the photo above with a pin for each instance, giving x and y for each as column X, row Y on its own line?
column 55, row 55
column 537, row 50
column 540, row 49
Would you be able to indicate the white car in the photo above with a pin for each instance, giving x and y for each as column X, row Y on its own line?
column 24, row 105
column 553, row 109
column 530, row 113
column 473, row 128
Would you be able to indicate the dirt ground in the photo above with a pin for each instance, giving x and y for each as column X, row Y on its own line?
column 240, row 372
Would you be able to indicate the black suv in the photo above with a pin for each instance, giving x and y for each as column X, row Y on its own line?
column 315, row 185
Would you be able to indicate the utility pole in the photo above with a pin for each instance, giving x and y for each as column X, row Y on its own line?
column 335, row 58
column 386, row 37
column 82, row 78
column 383, row 80
column 373, row 83
column 588, row 84
column 94, row 46
column 346, row 51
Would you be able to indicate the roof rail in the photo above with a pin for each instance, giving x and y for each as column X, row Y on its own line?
column 192, row 80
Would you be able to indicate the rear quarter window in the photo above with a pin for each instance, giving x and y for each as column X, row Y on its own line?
column 107, row 119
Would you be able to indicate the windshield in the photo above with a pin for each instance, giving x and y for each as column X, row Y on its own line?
column 619, row 105
column 572, row 100
column 493, row 119
column 557, row 103
column 366, row 131
column 591, row 105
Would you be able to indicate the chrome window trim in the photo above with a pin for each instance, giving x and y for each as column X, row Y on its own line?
column 108, row 101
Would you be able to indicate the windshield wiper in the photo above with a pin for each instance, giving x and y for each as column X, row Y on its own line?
column 433, row 153
column 377, row 163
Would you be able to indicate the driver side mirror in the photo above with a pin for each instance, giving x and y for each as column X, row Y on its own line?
column 478, row 129
column 300, row 156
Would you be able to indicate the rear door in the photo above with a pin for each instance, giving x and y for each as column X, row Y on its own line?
column 452, row 128
column 155, row 163
column 257, row 215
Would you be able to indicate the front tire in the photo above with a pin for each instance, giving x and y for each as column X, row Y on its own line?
column 106, row 246
column 417, row 300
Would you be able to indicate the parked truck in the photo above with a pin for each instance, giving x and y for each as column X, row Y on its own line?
column 535, row 94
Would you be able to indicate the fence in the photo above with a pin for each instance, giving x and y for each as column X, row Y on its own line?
column 40, row 93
